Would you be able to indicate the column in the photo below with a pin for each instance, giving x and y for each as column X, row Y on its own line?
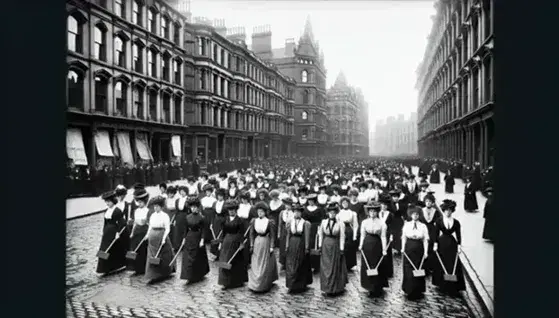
column 226, row 119
column 206, row 148
column 223, row 147
column 216, row 150
column 218, row 111
column 93, row 148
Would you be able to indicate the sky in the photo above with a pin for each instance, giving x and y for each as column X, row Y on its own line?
column 377, row 44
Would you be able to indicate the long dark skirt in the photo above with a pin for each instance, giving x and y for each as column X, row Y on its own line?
column 217, row 225
column 117, row 253
column 333, row 271
column 448, row 247
column 237, row 275
column 387, row 265
column 282, row 243
column 372, row 248
column 163, row 270
column 194, row 258
column 139, row 264
column 209, row 215
column 315, row 259
column 175, row 239
column 470, row 202
column 448, row 187
column 350, row 248
column 488, row 228
column 396, row 226
column 263, row 270
column 298, row 271
column 413, row 285
column 179, row 229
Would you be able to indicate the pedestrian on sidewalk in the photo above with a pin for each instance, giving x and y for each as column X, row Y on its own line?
column 139, row 232
column 447, row 246
column 435, row 175
column 373, row 245
column 159, row 243
column 194, row 256
column 415, row 241
column 470, row 199
column 113, row 222
column 489, row 215
column 449, row 182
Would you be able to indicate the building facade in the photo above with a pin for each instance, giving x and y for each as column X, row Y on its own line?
column 455, row 84
column 304, row 62
column 146, row 83
column 348, row 120
column 396, row 136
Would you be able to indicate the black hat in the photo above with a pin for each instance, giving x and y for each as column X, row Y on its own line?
column 158, row 200
column 261, row 205
column 322, row 187
column 223, row 175
column 207, row 187
column 191, row 179
column 109, row 196
column 303, row 190
column 245, row 195
column 335, row 187
column 311, row 196
column 448, row 205
column 298, row 208
column 373, row 205
column 220, row 192
column 287, row 201
column 394, row 193
column 385, row 199
column 140, row 194
column 231, row 204
column 137, row 186
column 163, row 185
column 194, row 200
column 262, row 190
column 120, row 190
column 363, row 185
column 333, row 207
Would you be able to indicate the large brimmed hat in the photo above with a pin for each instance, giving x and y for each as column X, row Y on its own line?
column 194, row 200
column 448, row 205
column 138, row 186
column 372, row 206
column 261, row 205
column 333, row 207
column 287, row 201
column 311, row 196
column 140, row 194
column 108, row 196
column 207, row 187
column 231, row 204
column 220, row 192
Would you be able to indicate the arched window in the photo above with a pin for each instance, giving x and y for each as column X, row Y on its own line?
column 304, row 116
column 304, row 134
column 304, row 76
column 101, row 94
column 137, row 11
column 75, row 34
column 120, row 52
column 153, row 104
column 138, row 110
column 137, row 57
column 100, row 43
column 120, row 96
column 306, row 97
column 75, row 89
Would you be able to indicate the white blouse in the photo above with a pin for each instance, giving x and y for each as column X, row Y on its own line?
column 322, row 198
column 286, row 216
column 252, row 193
column 335, row 198
column 207, row 202
column 224, row 184
column 219, row 206
column 297, row 226
column 141, row 216
column 160, row 220
column 232, row 192
column 303, row 201
column 182, row 202
column 171, row 203
column 362, row 197
column 383, row 215
column 260, row 225
column 244, row 210
column 275, row 204
column 415, row 230
column 109, row 212
column 283, row 195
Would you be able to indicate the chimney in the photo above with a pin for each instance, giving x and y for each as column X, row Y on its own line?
column 289, row 46
column 219, row 26
column 237, row 35
column 262, row 39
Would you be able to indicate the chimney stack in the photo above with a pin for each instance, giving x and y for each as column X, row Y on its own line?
column 219, row 26
column 262, row 39
column 237, row 35
column 289, row 46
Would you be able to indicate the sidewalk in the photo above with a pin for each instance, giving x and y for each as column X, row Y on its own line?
column 82, row 207
column 477, row 256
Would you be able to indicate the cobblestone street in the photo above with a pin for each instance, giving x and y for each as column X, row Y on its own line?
column 123, row 295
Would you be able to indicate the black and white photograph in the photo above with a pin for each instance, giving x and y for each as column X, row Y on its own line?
column 252, row 158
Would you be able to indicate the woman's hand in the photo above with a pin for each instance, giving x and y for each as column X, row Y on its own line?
column 117, row 236
column 459, row 250
column 425, row 255
column 202, row 243
column 271, row 250
column 384, row 252
column 435, row 248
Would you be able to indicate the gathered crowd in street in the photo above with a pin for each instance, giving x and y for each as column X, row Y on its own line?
column 304, row 216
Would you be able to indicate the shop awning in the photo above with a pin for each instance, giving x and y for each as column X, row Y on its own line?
column 74, row 146
column 142, row 147
column 123, row 139
column 103, row 143
column 176, row 144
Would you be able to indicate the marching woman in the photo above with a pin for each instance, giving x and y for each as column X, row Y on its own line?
column 276, row 206
column 159, row 244
column 181, row 208
column 322, row 196
column 194, row 257
column 263, row 270
column 232, row 240
column 335, row 189
column 415, row 241
column 286, row 215
column 138, row 235
column 233, row 191
column 113, row 224
column 315, row 215
column 355, row 205
column 331, row 238
column 449, row 182
column 298, row 271
column 171, row 210
column 351, row 226
column 125, row 207
column 246, row 213
column 216, row 218
column 387, row 265
column 192, row 186
column 207, row 203
column 373, row 244
column 470, row 199
column 430, row 216
column 447, row 247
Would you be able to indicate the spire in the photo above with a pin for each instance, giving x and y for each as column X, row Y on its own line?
column 307, row 33
column 341, row 81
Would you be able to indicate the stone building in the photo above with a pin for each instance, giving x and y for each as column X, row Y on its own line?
column 396, row 136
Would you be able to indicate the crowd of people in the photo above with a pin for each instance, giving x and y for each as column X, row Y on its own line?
column 304, row 216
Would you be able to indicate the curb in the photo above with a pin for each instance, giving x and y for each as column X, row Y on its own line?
column 479, row 290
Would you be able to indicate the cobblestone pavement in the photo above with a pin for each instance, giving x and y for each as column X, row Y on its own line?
column 123, row 295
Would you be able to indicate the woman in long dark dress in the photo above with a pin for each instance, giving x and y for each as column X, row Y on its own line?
column 415, row 241
column 125, row 207
column 233, row 238
column 181, row 208
column 114, row 223
column 489, row 215
column 207, row 202
column 286, row 215
column 276, row 206
column 263, row 270
column 216, row 218
column 138, row 235
column 430, row 216
column 470, row 199
column 314, row 215
column 448, row 246
column 373, row 244
column 194, row 257
column 159, row 244
column 298, row 271
column 387, row 265
column 351, row 223
column 449, row 182
column 331, row 238
column 171, row 210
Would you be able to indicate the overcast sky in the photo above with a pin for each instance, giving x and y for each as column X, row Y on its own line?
column 378, row 44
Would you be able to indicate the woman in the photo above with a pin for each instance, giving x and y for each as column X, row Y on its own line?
column 449, row 182
column 253, row 191
column 138, row 235
column 470, row 199
column 159, row 244
column 314, row 215
column 335, row 197
column 387, row 265
column 216, row 220
column 298, row 271
column 286, row 215
column 351, row 226
column 246, row 212
column 113, row 223
column 171, row 210
column 430, row 216
column 489, row 215
column 331, row 238
column 276, row 206
column 125, row 207
column 322, row 197
column 194, row 257
column 415, row 241
column 207, row 203
column 373, row 245
column 233, row 191
column 232, row 239
column 263, row 270
column 447, row 247
column 181, row 208
column 192, row 186
column 355, row 205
